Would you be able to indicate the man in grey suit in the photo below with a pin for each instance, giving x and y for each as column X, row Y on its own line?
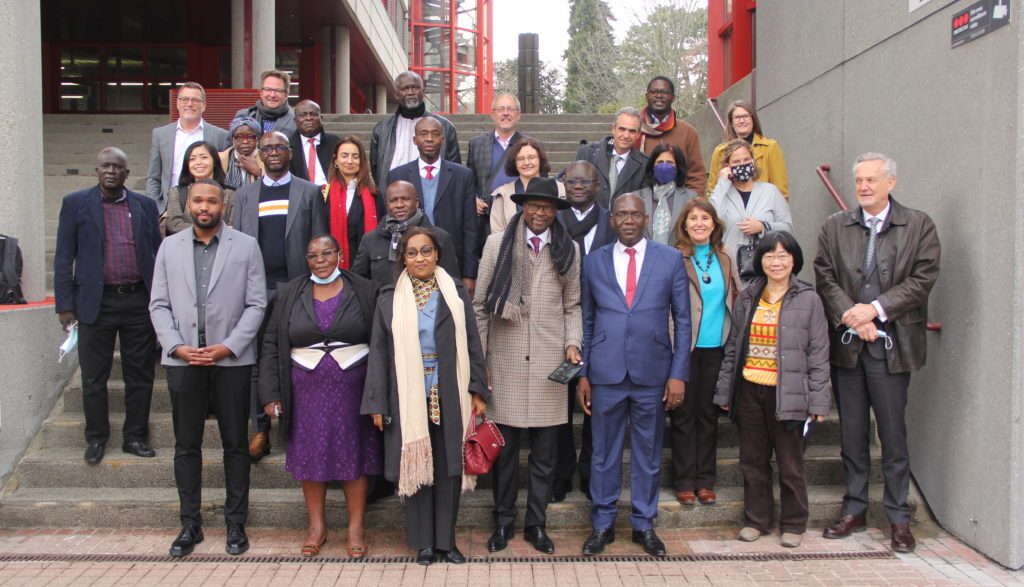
column 207, row 303
column 171, row 140
column 620, row 166
column 283, row 213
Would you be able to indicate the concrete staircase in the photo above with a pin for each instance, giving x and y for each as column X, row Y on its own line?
column 53, row 487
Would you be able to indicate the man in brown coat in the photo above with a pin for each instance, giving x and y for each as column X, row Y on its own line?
column 660, row 125
column 527, row 307
column 875, row 267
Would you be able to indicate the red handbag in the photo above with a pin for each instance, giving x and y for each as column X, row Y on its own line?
column 483, row 445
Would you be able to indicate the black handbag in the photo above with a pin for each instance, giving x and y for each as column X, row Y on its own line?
column 745, row 259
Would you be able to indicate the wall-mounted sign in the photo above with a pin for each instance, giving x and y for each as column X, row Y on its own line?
column 915, row 4
column 978, row 20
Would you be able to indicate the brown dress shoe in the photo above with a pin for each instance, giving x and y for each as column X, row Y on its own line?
column 686, row 497
column 845, row 526
column 706, row 496
column 259, row 447
column 902, row 539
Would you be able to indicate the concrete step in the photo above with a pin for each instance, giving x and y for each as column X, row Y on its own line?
column 64, row 467
column 481, row 119
column 285, row 508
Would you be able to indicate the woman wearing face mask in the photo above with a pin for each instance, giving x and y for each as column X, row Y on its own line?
column 664, row 194
column 201, row 161
column 748, row 208
column 312, row 372
column 744, row 124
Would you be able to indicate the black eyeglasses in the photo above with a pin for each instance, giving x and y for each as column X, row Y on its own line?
column 425, row 250
column 324, row 254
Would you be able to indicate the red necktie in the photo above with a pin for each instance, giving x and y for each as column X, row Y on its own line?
column 311, row 164
column 430, row 171
column 631, row 277
column 536, row 245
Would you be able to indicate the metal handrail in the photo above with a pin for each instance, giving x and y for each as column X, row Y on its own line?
column 822, row 171
column 714, row 109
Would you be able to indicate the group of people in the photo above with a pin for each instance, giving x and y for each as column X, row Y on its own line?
column 377, row 323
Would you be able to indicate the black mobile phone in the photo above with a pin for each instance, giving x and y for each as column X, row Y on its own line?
column 565, row 372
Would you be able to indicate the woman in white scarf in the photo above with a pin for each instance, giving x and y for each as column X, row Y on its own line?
column 426, row 375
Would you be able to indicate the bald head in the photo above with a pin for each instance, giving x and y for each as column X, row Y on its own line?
column 112, row 171
column 308, row 120
column 401, row 200
column 429, row 138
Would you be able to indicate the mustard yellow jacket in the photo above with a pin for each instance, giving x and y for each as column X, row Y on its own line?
column 767, row 156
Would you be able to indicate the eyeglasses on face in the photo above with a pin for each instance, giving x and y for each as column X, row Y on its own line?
column 245, row 138
column 425, row 250
column 189, row 100
column 506, row 110
column 660, row 92
column 780, row 257
column 273, row 90
column 742, row 117
column 324, row 254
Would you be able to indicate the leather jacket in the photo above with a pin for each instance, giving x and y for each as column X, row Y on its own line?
column 907, row 253
column 382, row 146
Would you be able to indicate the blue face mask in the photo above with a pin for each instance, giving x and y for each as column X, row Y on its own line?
column 330, row 279
column 847, row 337
column 664, row 172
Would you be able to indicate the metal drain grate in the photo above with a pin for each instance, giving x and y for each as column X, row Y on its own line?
column 606, row 558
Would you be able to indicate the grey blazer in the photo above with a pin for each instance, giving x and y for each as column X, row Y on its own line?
column 766, row 204
column 161, row 157
column 677, row 200
column 307, row 217
column 235, row 301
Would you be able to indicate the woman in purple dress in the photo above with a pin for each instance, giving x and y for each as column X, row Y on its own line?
column 312, row 372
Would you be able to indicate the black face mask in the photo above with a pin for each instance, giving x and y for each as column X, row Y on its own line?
column 742, row 173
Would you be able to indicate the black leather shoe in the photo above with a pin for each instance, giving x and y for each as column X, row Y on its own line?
column 425, row 556
column 186, row 542
column 903, row 538
column 559, row 490
column 538, row 537
column 94, row 453
column 453, row 556
column 650, row 541
column 138, row 448
column 597, row 540
column 237, row 542
column 845, row 526
column 499, row 539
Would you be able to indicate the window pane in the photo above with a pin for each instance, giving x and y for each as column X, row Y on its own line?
column 288, row 62
column 435, row 90
column 80, row 62
column 124, row 96
column 466, row 94
column 79, row 96
column 433, row 46
column 170, row 62
column 436, row 10
column 465, row 51
column 160, row 95
column 467, row 15
column 124, row 62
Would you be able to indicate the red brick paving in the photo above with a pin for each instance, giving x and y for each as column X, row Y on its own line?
column 940, row 559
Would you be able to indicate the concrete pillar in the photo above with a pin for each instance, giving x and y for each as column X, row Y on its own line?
column 238, row 48
column 326, row 50
column 380, row 96
column 343, row 70
column 264, row 39
column 22, row 212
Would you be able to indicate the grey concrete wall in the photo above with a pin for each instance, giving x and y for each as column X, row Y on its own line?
column 866, row 75
column 32, row 379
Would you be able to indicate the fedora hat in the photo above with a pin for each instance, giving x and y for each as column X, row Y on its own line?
column 542, row 188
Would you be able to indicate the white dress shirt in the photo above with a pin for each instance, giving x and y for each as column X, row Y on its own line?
column 502, row 141
column 621, row 260
column 270, row 182
column 881, row 216
column 544, row 236
column 182, row 140
column 588, row 239
column 317, row 174
column 434, row 172
column 350, row 194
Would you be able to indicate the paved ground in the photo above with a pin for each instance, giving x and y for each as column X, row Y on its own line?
column 939, row 560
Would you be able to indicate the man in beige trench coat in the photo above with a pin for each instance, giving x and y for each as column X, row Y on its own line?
column 528, row 311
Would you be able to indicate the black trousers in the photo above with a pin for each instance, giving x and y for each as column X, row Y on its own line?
column 543, row 456
column 871, row 386
column 760, row 435
column 431, row 512
column 125, row 316
column 694, row 425
column 226, row 390
column 567, row 459
column 260, row 420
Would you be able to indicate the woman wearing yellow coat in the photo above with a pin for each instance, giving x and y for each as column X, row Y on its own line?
column 742, row 123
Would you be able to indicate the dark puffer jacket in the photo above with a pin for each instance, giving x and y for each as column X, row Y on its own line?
column 804, row 382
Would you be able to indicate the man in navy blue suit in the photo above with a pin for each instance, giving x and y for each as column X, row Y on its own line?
column 107, row 238
column 631, row 373
column 447, row 194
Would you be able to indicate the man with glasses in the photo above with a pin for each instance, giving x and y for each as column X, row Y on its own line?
column 391, row 144
column 272, row 109
column 528, row 313
column 619, row 164
column 283, row 213
column 312, row 145
column 170, row 141
column 590, row 226
column 660, row 125
column 631, row 375
column 487, row 156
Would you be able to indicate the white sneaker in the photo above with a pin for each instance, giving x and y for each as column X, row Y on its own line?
column 791, row 540
column 748, row 534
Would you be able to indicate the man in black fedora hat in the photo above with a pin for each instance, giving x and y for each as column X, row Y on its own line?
column 527, row 307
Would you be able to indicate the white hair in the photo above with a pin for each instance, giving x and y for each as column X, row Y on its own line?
column 630, row 111
column 888, row 165
column 494, row 104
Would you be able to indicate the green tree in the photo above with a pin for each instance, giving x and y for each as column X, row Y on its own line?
column 550, row 91
column 671, row 41
column 591, row 80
